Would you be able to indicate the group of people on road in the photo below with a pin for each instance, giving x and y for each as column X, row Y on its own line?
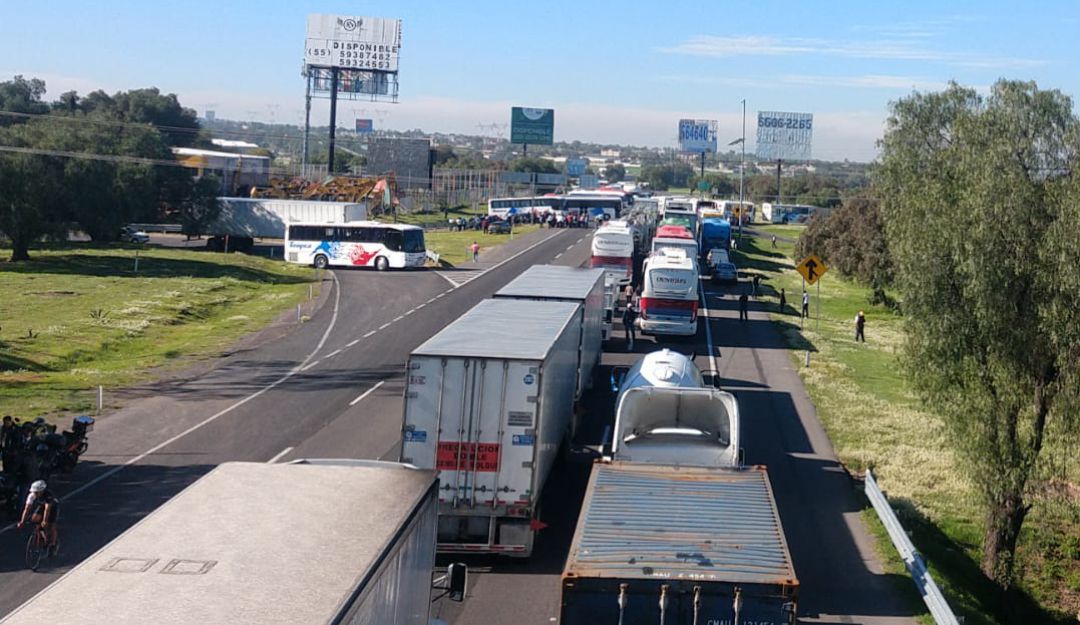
column 22, row 480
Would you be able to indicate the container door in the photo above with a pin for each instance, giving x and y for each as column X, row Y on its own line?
column 519, row 434
column 437, row 395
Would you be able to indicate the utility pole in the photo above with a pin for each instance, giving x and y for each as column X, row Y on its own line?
column 307, row 122
column 333, row 119
column 742, row 168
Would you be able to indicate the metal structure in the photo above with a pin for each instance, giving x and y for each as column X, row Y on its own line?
column 924, row 582
column 698, row 136
column 351, row 57
column 784, row 136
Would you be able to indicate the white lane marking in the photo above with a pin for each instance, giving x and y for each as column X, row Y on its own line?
column 409, row 312
column 385, row 325
column 366, row 393
column 312, row 364
column 398, row 318
column 370, row 334
column 445, row 277
column 353, row 342
column 432, row 300
column 224, row 411
column 570, row 247
column 708, row 334
column 281, row 454
column 558, row 255
column 333, row 353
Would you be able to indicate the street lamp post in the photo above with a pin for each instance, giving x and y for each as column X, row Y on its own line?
column 742, row 167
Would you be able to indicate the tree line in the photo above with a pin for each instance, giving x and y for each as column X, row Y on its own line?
column 95, row 163
column 973, row 220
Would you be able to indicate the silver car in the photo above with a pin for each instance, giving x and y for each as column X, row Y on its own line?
column 725, row 272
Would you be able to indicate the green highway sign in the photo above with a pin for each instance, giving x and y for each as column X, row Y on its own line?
column 532, row 126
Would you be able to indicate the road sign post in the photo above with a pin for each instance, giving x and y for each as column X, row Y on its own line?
column 812, row 268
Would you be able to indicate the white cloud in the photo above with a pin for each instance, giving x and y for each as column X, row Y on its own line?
column 872, row 81
column 903, row 49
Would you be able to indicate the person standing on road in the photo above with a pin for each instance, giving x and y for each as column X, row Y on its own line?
column 628, row 318
column 783, row 301
column 475, row 249
column 8, row 436
column 805, row 304
column 628, row 293
column 860, row 327
column 774, row 240
column 744, row 314
column 756, row 284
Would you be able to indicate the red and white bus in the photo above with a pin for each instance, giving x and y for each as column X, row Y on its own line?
column 669, row 299
column 613, row 251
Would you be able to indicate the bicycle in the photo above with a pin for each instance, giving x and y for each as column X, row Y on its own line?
column 36, row 545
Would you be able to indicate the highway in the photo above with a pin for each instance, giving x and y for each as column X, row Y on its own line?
column 332, row 387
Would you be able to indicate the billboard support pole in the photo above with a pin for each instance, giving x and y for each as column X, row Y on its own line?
column 742, row 168
column 333, row 119
column 524, row 150
column 307, row 123
column 702, row 172
column 779, row 164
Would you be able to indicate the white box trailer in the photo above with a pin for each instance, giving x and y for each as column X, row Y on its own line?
column 327, row 542
column 245, row 219
column 488, row 403
column 556, row 283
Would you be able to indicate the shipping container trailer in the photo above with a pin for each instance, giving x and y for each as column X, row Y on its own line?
column 488, row 403
column 679, row 546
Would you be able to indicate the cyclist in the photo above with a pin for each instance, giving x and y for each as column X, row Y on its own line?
column 42, row 507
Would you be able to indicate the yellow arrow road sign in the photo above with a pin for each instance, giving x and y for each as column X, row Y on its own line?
column 811, row 268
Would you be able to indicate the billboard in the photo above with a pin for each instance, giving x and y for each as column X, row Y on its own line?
column 345, row 41
column 410, row 160
column 365, row 126
column 532, row 126
column 589, row 181
column 350, row 81
column 576, row 166
column 697, row 135
column 784, row 135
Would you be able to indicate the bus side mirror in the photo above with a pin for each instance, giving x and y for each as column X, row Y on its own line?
column 458, row 575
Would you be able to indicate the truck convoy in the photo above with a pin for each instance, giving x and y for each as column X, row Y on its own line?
column 488, row 403
column 328, row 541
column 586, row 287
column 242, row 220
column 673, row 529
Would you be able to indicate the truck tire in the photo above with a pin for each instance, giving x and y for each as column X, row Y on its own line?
column 321, row 262
column 382, row 264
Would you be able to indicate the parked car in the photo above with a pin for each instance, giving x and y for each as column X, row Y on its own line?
column 499, row 227
column 130, row 234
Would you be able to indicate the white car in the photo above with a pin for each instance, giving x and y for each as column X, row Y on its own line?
column 132, row 235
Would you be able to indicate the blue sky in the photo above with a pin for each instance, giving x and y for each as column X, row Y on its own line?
column 619, row 72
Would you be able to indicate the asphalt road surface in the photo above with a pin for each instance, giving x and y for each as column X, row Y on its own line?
column 332, row 387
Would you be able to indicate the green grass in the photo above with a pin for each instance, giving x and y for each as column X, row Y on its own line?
column 79, row 316
column 874, row 420
column 436, row 218
column 453, row 246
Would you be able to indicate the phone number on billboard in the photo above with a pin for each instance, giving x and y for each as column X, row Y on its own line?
column 353, row 59
column 693, row 132
column 785, row 122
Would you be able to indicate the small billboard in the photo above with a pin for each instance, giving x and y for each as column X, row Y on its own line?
column 697, row 135
column 364, row 126
column 576, row 166
column 532, row 126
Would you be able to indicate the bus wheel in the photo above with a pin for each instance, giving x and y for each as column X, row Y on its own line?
column 382, row 264
column 321, row 261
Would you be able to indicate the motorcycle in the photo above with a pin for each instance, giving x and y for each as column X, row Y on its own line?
column 60, row 452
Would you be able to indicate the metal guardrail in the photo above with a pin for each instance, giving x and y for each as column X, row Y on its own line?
column 162, row 228
column 913, row 560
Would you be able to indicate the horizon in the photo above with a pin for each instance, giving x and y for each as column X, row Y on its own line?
column 628, row 77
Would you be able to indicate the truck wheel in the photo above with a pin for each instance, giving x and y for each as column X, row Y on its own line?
column 321, row 261
column 382, row 264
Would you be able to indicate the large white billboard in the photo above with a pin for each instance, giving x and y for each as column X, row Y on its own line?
column 697, row 135
column 784, row 135
column 367, row 43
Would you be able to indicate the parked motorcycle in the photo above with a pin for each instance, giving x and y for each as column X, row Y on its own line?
column 60, row 452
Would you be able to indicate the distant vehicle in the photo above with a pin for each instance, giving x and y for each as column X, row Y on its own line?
column 787, row 213
column 675, row 237
column 321, row 542
column 499, row 207
column 721, row 268
column 715, row 233
column 735, row 211
column 669, row 299
column 613, row 251
column 131, row 234
column 591, row 204
column 356, row 244
column 680, row 211
column 498, row 226
column 242, row 220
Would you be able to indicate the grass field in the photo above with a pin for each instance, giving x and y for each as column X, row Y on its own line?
column 874, row 420
column 74, row 318
column 453, row 246
column 437, row 217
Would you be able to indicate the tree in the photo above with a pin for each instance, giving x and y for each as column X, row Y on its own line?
column 201, row 207
column 534, row 164
column 852, row 240
column 20, row 95
column 663, row 177
column 615, row 172
column 982, row 206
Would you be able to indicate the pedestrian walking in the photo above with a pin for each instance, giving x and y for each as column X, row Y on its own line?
column 475, row 249
column 783, row 301
column 629, row 317
column 744, row 314
column 860, row 327
column 755, row 283
column 805, row 304
column 774, row 240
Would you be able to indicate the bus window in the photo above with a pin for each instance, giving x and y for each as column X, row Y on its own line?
column 414, row 241
column 393, row 241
